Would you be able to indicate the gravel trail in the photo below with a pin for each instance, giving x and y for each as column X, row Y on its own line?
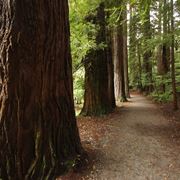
column 139, row 145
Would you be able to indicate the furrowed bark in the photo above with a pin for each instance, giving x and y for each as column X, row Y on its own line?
column 97, row 98
column 38, row 133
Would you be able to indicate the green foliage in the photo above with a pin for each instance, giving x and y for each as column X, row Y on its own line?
column 79, row 86
column 164, row 97
column 80, row 41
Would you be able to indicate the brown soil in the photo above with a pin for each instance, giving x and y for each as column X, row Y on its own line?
column 136, row 142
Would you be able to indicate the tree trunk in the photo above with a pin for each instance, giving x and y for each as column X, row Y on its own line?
column 164, row 64
column 134, row 50
column 118, row 55
column 96, row 97
column 147, row 64
column 117, row 82
column 110, row 70
column 126, row 75
column 121, row 61
column 139, row 67
column 173, row 73
column 38, row 133
column 161, row 50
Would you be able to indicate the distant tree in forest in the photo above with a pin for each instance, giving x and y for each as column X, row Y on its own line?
column 147, row 63
column 120, row 52
column 135, row 50
column 125, row 52
column 173, row 70
column 38, row 133
column 110, row 68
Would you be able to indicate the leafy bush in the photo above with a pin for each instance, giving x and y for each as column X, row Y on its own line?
column 164, row 97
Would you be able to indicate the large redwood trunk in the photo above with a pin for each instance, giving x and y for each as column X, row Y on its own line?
column 38, row 133
column 96, row 98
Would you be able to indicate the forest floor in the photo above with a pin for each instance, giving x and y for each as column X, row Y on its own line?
column 139, row 141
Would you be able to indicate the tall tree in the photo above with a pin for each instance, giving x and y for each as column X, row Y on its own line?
column 147, row 64
column 110, row 69
column 118, row 58
column 96, row 97
column 125, row 51
column 165, row 48
column 162, row 49
column 135, row 68
column 118, row 55
column 160, row 67
column 38, row 132
column 173, row 73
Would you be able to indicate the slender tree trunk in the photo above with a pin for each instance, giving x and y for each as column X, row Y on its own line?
column 164, row 66
column 160, row 66
column 147, row 64
column 96, row 98
column 126, row 75
column 117, row 82
column 110, row 70
column 173, row 73
column 134, row 53
column 165, row 47
column 38, row 133
column 168, row 32
column 161, row 50
column 121, row 61
column 139, row 68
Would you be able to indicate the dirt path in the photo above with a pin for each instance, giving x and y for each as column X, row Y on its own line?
column 139, row 145
column 136, row 142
